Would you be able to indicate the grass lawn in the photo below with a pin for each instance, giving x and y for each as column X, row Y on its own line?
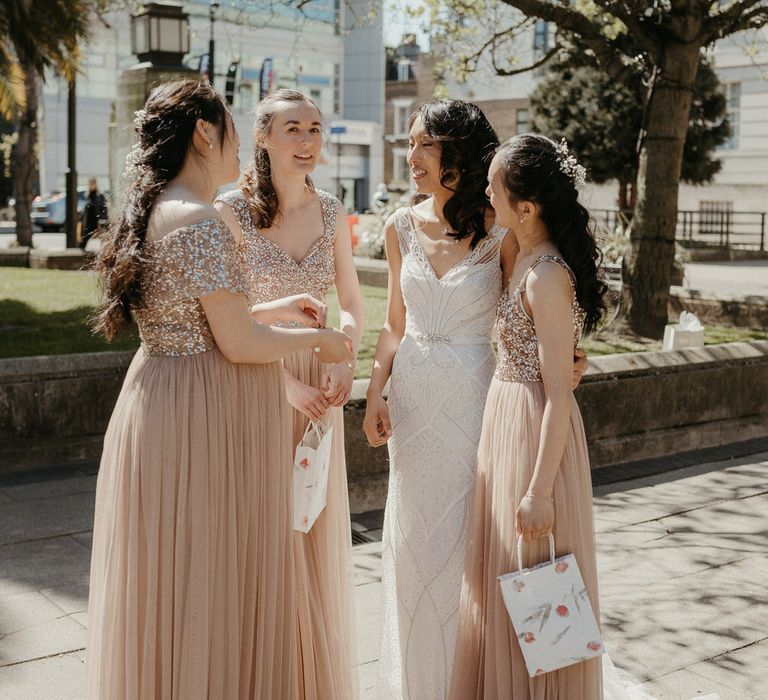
column 44, row 312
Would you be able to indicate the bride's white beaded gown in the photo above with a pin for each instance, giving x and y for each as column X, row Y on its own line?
column 439, row 382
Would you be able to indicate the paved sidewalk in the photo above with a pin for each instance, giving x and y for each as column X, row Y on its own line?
column 738, row 278
column 683, row 561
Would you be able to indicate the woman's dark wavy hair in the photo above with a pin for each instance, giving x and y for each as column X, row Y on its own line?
column 530, row 171
column 164, row 128
column 468, row 142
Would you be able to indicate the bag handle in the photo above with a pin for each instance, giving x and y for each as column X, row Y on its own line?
column 319, row 428
column 520, row 551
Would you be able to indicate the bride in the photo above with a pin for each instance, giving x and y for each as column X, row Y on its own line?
column 444, row 282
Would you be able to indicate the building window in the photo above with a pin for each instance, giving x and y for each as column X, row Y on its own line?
column 733, row 102
column 400, row 166
column 521, row 121
column 401, row 113
column 404, row 71
column 540, row 38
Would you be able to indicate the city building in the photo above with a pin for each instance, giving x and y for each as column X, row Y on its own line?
column 312, row 48
column 410, row 82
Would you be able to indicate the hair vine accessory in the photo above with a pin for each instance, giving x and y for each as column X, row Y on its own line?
column 569, row 165
column 139, row 116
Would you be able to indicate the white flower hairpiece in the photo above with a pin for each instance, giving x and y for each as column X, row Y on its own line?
column 131, row 171
column 140, row 115
column 569, row 165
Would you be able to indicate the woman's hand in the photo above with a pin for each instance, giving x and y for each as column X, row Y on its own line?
column 535, row 517
column 333, row 346
column 580, row 364
column 377, row 425
column 337, row 383
column 299, row 308
column 305, row 399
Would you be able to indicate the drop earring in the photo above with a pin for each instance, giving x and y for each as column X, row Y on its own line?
column 210, row 145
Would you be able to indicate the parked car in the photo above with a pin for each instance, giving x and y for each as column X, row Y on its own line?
column 51, row 213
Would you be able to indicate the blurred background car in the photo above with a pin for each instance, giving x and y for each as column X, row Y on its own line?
column 50, row 213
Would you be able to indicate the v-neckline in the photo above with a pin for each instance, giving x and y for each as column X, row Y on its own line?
column 458, row 264
column 312, row 246
column 417, row 234
column 286, row 254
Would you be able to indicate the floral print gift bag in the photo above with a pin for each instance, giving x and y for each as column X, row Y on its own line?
column 551, row 612
column 310, row 475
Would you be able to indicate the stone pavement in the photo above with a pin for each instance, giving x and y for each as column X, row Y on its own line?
column 738, row 278
column 683, row 559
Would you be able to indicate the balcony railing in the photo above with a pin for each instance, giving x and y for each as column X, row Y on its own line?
column 744, row 230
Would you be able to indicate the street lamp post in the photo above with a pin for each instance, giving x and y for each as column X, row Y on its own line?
column 71, row 201
column 211, row 43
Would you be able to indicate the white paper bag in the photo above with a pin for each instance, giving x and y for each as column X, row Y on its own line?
column 686, row 333
column 310, row 475
column 551, row 613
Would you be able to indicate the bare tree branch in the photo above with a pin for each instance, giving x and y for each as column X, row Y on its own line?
column 517, row 71
column 474, row 57
column 744, row 14
column 612, row 59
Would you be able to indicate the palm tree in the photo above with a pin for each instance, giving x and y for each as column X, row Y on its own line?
column 35, row 37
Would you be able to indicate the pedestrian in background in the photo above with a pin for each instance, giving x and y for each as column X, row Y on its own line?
column 95, row 210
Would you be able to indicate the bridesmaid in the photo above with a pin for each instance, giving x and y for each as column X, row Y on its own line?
column 192, row 582
column 444, row 281
column 296, row 240
column 533, row 474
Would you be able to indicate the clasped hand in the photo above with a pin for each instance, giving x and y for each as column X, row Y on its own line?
column 299, row 308
column 535, row 518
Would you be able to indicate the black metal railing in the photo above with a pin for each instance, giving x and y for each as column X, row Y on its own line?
column 744, row 230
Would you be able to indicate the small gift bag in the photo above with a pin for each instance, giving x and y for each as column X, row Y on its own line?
column 686, row 333
column 310, row 475
column 551, row 612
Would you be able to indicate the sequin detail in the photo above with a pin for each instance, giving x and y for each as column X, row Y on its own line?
column 518, row 346
column 270, row 272
column 183, row 265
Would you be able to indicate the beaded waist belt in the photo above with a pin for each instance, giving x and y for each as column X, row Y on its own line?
column 436, row 338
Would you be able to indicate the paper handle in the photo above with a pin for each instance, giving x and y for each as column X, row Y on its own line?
column 520, row 551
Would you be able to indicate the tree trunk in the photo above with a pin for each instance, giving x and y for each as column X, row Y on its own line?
column 25, row 160
column 647, row 267
column 623, row 198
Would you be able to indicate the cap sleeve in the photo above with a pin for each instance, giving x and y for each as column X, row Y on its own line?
column 192, row 262
column 236, row 200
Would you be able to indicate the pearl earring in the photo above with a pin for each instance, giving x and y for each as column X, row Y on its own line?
column 522, row 219
column 210, row 145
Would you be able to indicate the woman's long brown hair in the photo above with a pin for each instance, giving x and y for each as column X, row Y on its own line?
column 165, row 128
column 256, row 180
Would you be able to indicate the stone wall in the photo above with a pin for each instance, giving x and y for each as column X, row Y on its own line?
column 740, row 311
column 54, row 410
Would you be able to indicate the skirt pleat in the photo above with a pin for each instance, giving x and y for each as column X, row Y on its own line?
column 323, row 565
column 192, row 578
column 488, row 664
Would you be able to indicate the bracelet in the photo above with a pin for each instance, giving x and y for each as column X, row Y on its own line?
column 528, row 494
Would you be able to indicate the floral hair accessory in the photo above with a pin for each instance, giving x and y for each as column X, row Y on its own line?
column 140, row 115
column 569, row 165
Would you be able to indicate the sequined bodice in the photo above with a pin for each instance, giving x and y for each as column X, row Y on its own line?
column 270, row 272
column 181, row 267
column 518, row 345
